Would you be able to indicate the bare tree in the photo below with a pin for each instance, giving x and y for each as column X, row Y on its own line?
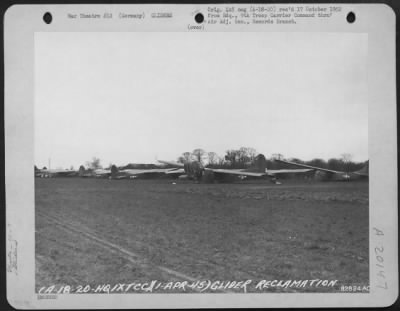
column 181, row 159
column 318, row 163
column 335, row 164
column 231, row 156
column 346, row 159
column 198, row 154
column 246, row 155
column 242, row 155
column 185, row 157
column 251, row 153
column 212, row 158
column 94, row 163
column 221, row 162
column 296, row 160
column 278, row 156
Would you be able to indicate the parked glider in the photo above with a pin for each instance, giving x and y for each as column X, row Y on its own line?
column 47, row 173
column 196, row 171
column 134, row 173
column 99, row 173
column 328, row 174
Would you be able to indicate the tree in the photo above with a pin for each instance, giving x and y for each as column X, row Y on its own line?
column 212, row 158
column 94, row 163
column 277, row 156
column 347, row 160
column 335, row 164
column 243, row 155
column 231, row 156
column 251, row 153
column 198, row 155
column 185, row 157
column 221, row 162
column 296, row 160
column 317, row 163
column 346, row 157
column 181, row 159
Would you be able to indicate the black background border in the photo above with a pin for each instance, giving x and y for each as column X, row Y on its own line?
column 4, row 305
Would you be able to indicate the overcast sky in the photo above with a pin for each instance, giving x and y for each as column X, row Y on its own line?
column 129, row 97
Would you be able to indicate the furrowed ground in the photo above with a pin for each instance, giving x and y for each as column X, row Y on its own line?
column 99, row 231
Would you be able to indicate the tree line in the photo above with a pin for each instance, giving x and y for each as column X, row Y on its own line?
column 243, row 157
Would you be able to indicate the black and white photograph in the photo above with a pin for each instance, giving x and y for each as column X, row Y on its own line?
column 202, row 162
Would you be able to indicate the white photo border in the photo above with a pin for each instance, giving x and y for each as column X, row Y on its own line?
column 21, row 22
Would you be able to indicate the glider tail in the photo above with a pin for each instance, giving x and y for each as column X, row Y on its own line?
column 81, row 171
column 364, row 171
column 260, row 163
column 114, row 171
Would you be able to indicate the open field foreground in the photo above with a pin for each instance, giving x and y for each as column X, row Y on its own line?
column 96, row 234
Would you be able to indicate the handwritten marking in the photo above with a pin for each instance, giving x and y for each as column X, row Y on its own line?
column 199, row 285
column 380, row 261
column 12, row 254
column 296, row 283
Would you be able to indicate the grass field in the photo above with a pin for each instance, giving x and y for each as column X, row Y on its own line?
column 99, row 231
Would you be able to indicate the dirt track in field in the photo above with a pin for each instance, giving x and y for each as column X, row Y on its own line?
column 98, row 231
